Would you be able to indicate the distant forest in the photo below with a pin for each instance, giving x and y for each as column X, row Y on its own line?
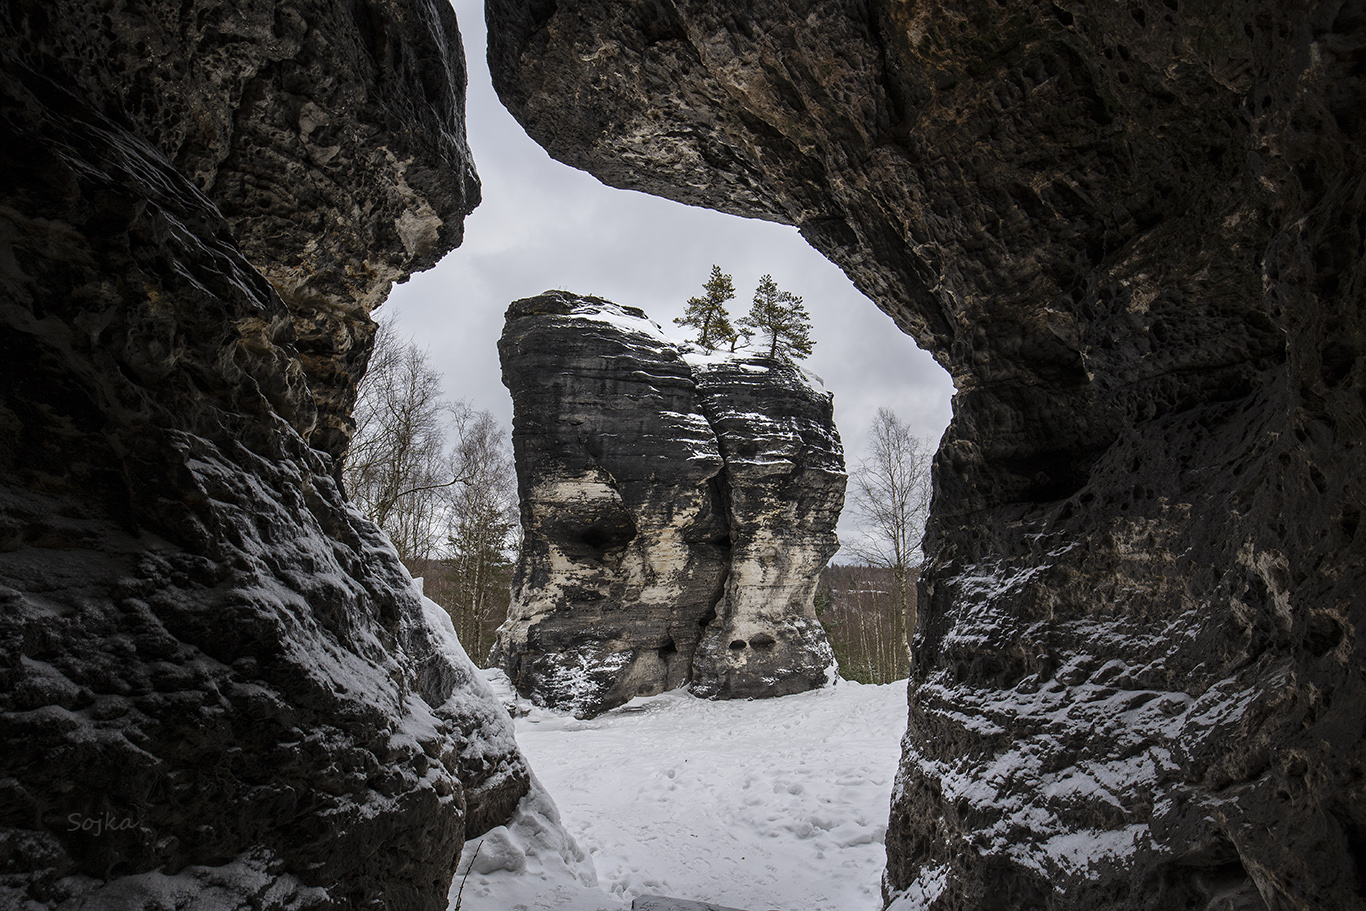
column 475, row 593
column 857, row 605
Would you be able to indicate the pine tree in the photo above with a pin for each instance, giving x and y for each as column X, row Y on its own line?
column 779, row 316
column 707, row 314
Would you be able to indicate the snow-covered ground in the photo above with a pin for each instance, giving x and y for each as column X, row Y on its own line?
column 758, row 804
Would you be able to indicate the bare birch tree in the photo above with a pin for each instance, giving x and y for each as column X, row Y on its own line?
column 858, row 606
column 892, row 496
column 438, row 478
column 482, row 533
column 398, row 469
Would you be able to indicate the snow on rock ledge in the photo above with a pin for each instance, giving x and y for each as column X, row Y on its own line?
column 677, row 511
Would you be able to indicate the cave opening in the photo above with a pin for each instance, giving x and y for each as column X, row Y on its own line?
column 543, row 225
column 213, row 597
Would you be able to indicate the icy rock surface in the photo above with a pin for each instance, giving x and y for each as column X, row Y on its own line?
column 1132, row 232
column 676, row 511
column 218, row 685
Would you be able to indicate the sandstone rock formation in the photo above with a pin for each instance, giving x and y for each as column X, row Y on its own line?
column 676, row 510
column 217, row 683
column 1133, row 233
column 783, row 480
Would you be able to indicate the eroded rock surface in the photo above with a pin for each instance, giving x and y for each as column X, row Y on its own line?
column 330, row 136
column 1133, row 233
column 676, row 511
column 783, row 481
column 217, row 683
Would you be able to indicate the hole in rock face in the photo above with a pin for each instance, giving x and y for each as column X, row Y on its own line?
column 604, row 537
column 676, row 670
column 601, row 537
column 763, row 642
column 1355, row 835
column 1322, row 633
column 370, row 25
column 711, row 526
column 1350, row 521
column 737, row 645
column 1338, row 360
column 1210, row 875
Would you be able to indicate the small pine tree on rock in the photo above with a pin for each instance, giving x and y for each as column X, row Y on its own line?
column 707, row 314
column 779, row 317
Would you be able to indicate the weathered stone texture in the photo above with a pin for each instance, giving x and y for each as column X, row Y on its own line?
column 340, row 124
column 675, row 516
column 1133, row 233
column 784, row 489
column 217, row 683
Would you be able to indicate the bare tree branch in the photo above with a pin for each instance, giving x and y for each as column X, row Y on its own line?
column 439, row 479
column 892, row 492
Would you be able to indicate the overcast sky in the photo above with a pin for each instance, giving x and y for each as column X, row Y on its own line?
column 544, row 225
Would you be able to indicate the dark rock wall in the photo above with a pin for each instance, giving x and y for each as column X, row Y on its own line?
column 329, row 135
column 216, row 679
column 1133, row 233
column 675, row 515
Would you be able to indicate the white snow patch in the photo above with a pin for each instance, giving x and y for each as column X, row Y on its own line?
column 928, row 886
column 699, row 357
column 205, row 888
column 1076, row 852
column 614, row 315
column 530, row 863
column 759, row 804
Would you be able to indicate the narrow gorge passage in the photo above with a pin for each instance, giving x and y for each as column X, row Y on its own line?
column 651, row 253
column 1132, row 233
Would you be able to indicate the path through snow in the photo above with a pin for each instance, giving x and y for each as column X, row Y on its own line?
column 758, row 804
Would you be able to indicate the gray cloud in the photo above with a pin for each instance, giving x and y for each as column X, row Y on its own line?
column 544, row 225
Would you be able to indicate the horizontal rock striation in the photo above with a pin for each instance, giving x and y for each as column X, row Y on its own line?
column 783, row 479
column 675, row 515
column 341, row 124
column 1133, row 234
column 217, row 682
